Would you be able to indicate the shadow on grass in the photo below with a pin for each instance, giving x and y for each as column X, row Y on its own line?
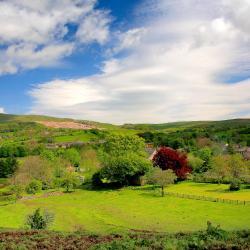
column 151, row 194
column 218, row 190
column 89, row 187
column 141, row 188
column 200, row 184
column 69, row 191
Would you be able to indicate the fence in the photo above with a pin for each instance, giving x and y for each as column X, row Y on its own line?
column 206, row 198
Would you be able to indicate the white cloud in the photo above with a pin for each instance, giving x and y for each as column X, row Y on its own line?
column 98, row 22
column 32, row 32
column 2, row 110
column 128, row 40
column 174, row 70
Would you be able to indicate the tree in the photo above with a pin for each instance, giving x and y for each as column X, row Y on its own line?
column 168, row 158
column 195, row 163
column 8, row 167
column 39, row 220
column 124, row 169
column 163, row 178
column 73, row 156
column 70, row 181
column 238, row 167
column 48, row 155
column 206, row 155
column 120, row 144
column 34, row 167
column 220, row 167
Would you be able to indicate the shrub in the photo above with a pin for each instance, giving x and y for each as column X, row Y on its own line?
column 235, row 185
column 57, row 182
column 216, row 232
column 38, row 220
column 33, row 187
column 17, row 191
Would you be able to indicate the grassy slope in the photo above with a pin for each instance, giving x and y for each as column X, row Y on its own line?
column 120, row 210
column 7, row 118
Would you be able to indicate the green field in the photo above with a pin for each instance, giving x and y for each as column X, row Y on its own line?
column 131, row 208
column 211, row 190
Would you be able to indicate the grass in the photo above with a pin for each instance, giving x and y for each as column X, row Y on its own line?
column 210, row 190
column 121, row 210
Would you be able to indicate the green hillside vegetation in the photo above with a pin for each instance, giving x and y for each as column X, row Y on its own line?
column 101, row 180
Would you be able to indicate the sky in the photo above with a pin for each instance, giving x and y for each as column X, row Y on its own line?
column 133, row 61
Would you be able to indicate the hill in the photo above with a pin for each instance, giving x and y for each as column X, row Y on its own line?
column 153, row 126
column 189, row 124
column 14, row 128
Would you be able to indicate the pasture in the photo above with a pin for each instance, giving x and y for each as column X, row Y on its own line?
column 134, row 208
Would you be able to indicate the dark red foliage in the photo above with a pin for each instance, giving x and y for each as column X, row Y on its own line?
column 168, row 158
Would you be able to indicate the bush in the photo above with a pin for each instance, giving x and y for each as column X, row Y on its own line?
column 235, row 185
column 17, row 191
column 33, row 187
column 216, row 232
column 39, row 220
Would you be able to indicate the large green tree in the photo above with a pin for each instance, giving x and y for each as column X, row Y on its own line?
column 124, row 169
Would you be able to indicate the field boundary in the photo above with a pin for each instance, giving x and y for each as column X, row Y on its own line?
column 207, row 198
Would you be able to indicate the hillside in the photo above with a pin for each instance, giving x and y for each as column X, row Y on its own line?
column 45, row 129
column 162, row 126
column 189, row 124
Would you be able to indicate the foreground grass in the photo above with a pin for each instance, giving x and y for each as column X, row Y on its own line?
column 127, row 209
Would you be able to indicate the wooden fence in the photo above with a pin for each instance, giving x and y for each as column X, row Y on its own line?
column 206, row 198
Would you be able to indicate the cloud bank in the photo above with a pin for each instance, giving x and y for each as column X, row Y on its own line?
column 176, row 65
column 36, row 33
column 2, row 110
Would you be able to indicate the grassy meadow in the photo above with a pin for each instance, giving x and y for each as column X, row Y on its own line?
column 133, row 208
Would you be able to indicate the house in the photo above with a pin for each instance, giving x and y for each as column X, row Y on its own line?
column 244, row 151
column 151, row 150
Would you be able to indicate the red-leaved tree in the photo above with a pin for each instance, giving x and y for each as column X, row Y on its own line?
column 168, row 158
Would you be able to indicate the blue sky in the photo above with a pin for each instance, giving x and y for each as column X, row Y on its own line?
column 86, row 61
column 125, row 61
